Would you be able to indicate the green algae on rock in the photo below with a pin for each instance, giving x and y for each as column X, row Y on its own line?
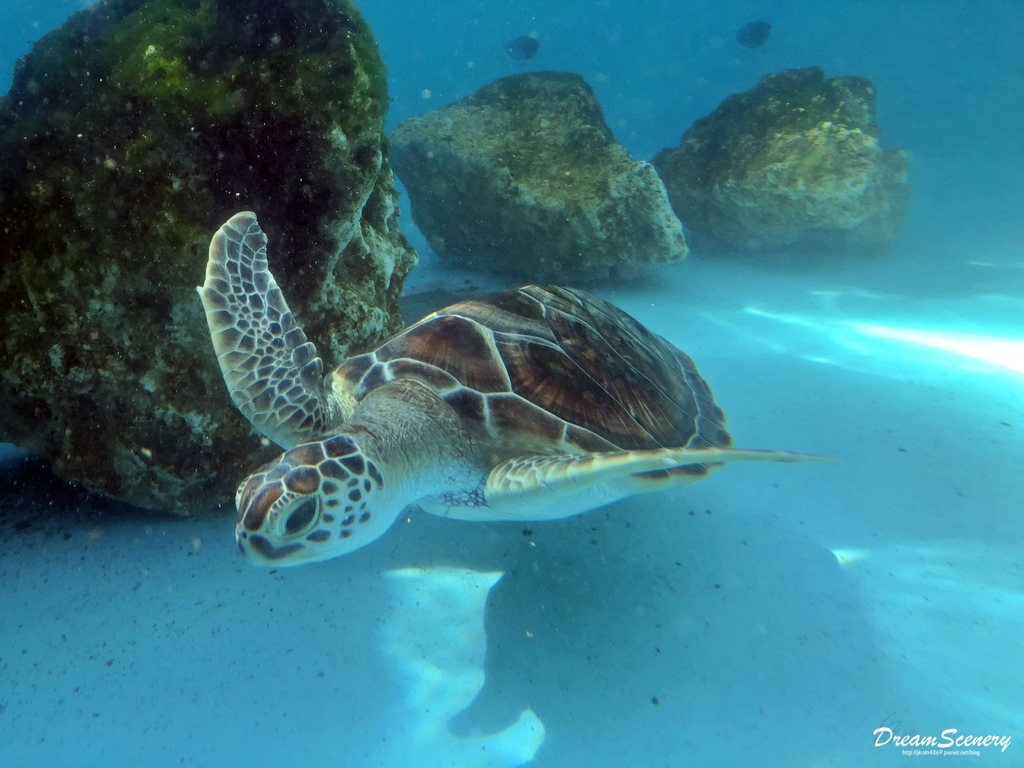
column 525, row 176
column 129, row 135
column 793, row 165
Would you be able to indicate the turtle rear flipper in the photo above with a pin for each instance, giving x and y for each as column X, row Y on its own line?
column 553, row 487
column 272, row 371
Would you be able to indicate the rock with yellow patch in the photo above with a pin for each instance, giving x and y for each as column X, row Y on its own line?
column 793, row 165
column 129, row 135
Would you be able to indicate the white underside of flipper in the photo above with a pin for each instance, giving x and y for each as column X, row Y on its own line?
column 554, row 487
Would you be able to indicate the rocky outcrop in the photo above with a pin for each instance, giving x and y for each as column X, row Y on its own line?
column 525, row 177
column 129, row 135
column 795, row 164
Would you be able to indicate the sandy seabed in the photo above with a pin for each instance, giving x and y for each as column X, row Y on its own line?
column 774, row 615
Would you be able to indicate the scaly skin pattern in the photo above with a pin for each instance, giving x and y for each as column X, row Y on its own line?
column 317, row 491
column 333, row 495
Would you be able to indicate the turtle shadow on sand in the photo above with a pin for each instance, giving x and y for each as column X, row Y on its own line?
column 643, row 624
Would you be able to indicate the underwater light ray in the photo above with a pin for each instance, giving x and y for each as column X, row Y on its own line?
column 1002, row 352
column 1005, row 352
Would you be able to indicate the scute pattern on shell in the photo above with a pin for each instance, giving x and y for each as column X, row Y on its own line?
column 555, row 367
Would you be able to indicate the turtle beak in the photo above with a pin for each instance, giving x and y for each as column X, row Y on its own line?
column 259, row 549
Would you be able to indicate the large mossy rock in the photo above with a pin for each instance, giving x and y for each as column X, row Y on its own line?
column 524, row 176
column 129, row 135
column 795, row 164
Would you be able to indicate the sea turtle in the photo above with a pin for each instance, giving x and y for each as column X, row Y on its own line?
column 530, row 404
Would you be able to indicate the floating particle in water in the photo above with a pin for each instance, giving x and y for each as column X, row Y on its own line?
column 523, row 48
column 754, row 34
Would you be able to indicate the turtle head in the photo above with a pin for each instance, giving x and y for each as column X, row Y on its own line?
column 316, row 501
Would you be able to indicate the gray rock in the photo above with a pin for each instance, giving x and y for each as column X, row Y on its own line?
column 130, row 134
column 525, row 176
column 793, row 165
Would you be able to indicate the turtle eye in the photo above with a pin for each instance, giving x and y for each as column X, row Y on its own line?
column 301, row 517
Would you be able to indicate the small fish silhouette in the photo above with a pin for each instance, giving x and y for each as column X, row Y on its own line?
column 754, row 34
column 523, row 48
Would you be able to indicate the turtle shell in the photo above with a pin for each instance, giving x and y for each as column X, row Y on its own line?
column 549, row 370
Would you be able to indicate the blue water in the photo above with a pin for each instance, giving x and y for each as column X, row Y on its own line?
column 795, row 611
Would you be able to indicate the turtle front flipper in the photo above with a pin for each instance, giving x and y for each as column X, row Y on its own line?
column 554, row 487
column 272, row 372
